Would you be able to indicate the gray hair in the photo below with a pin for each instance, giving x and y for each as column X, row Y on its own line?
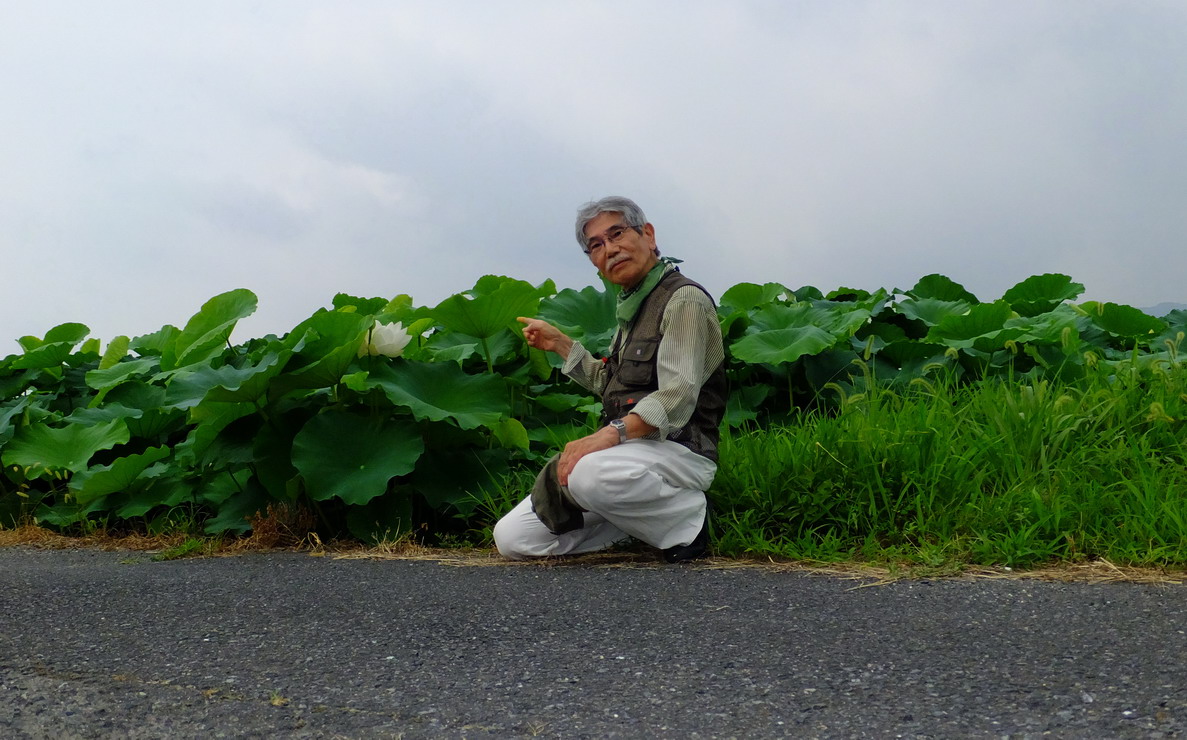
column 630, row 211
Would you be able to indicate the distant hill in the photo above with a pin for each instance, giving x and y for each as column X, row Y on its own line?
column 1162, row 309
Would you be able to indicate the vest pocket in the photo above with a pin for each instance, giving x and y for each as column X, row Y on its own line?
column 638, row 362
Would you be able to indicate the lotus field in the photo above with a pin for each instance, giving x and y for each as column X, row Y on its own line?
column 919, row 424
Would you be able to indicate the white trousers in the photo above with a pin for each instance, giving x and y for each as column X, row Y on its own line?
column 651, row 490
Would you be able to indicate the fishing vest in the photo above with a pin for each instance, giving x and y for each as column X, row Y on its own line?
column 632, row 373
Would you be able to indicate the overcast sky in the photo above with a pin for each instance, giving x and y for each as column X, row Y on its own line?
column 155, row 154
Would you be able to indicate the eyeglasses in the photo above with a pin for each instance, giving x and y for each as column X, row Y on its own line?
column 613, row 235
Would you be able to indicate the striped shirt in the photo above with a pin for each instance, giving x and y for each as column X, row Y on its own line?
column 689, row 351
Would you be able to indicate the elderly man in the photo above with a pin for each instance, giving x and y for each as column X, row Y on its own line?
column 644, row 473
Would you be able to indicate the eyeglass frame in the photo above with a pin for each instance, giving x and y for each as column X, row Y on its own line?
column 607, row 239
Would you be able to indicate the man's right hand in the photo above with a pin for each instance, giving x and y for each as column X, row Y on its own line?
column 544, row 336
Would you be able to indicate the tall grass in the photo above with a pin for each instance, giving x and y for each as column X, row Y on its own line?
column 1014, row 472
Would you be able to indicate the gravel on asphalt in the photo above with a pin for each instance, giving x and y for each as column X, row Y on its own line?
column 106, row 644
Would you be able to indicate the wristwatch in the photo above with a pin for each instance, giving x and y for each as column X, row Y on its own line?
column 620, row 426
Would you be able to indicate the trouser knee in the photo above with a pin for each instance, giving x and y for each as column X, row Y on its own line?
column 508, row 539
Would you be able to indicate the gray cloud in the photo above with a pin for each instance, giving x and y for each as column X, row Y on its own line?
column 160, row 154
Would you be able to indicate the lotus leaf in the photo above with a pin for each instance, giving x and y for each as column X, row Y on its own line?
column 117, row 349
column 238, row 504
column 91, row 416
column 384, row 518
column 109, row 377
column 233, row 448
column 440, row 391
column 41, row 447
column 65, row 513
column 208, row 420
column 273, row 450
column 911, row 357
column 1049, row 327
column 70, row 333
column 1174, row 334
column 777, row 346
column 352, row 457
column 15, row 384
column 153, row 345
column 586, row 315
column 450, row 478
column 189, row 387
column 456, row 347
column 882, row 330
column 838, row 322
column 848, row 295
column 208, row 331
column 541, row 362
column 1041, row 293
column 1121, row 320
column 248, row 383
column 154, row 423
column 560, row 401
column 342, row 301
column 748, row 296
column 153, row 491
column 452, row 347
column 511, row 434
column 137, row 395
column 47, row 355
column 119, row 476
column 981, row 320
column 941, row 288
column 997, row 340
column 325, row 345
column 8, row 413
column 323, row 373
column 490, row 307
column 931, row 311
column 742, row 406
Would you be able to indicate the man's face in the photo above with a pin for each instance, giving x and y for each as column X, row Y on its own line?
column 624, row 261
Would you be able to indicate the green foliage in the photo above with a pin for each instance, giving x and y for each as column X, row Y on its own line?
column 923, row 421
column 346, row 455
column 1041, row 293
column 586, row 315
column 440, row 391
column 42, row 449
column 205, row 334
column 1003, row 471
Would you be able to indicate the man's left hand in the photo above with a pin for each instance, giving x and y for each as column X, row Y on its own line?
column 603, row 439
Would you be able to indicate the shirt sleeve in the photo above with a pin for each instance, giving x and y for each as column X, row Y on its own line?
column 586, row 370
column 690, row 349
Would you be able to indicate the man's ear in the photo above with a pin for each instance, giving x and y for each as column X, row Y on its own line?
column 649, row 235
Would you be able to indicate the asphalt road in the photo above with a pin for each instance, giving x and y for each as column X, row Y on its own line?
column 100, row 644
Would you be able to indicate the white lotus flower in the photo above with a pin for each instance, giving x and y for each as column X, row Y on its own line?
column 388, row 340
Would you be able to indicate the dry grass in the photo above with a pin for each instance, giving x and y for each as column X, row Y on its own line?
column 1098, row 571
column 292, row 532
column 281, row 526
column 33, row 536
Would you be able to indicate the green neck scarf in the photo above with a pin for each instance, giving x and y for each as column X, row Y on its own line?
column 629, row 301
